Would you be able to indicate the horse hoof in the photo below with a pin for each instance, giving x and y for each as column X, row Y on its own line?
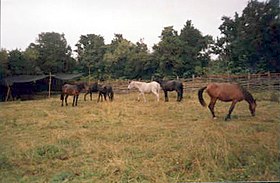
column 227, row 118
column 214, row 118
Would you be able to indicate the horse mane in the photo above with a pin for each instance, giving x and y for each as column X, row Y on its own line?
column 247, row 95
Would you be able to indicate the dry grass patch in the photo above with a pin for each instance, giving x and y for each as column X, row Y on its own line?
column 126, row 140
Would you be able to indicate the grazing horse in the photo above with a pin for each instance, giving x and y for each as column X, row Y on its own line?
column 105, row 90
column 74, row 90
column 171, row 86
column 92, row 88
column 144, row 87
column 226, row 92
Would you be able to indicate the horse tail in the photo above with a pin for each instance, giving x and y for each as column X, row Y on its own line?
column 200, row 96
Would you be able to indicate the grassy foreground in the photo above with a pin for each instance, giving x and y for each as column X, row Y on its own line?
column 130, row 141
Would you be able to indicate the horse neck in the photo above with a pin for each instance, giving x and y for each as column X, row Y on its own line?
column 248, row 96
column 137, row 85
column 80, row 87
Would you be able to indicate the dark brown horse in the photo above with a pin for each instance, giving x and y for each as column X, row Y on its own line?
column 74, row 90
column 172, row 85
column 226, row 92
column 105, row 90
column 92, row 88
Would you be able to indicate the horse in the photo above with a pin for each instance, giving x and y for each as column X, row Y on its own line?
column 144, row 87
column 74, row 90
column 226, row 92
column 105, row 90
column 92, row 88
column 171, row 86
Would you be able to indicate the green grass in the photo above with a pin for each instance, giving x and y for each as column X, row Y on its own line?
column 130, row 141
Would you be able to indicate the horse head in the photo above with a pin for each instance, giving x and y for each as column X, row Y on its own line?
column 130, row 85
column 252, row 107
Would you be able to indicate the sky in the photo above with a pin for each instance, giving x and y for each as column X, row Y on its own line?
column 23, row 20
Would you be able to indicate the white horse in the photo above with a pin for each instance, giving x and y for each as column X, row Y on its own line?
column 144, row 87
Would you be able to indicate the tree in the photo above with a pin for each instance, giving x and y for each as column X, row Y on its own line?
column 167, row 51
column 194, row 54
column 4, row 68
column 184, row 54
column 117, row 55
column 18, row 64
column 91, row 49
column 54, row 53
column 251, row 42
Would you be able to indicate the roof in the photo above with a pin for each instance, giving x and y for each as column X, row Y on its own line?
column 32, row 78
column 63, row 76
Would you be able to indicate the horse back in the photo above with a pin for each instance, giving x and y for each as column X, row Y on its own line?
column 70, row 89
column 172, row 85
column 225, row 91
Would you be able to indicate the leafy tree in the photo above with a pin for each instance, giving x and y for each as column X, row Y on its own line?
column 251, row 42
column 167, row 51
column 91, row 49
column 18, row 64
column 4, row 68
column 184, row 54
column 117, row 55
column 54, row 53
column 194, row 54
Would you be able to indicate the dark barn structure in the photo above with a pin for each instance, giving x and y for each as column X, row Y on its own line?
column 24, row 87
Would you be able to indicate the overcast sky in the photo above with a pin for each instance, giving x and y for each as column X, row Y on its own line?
column 23, row 20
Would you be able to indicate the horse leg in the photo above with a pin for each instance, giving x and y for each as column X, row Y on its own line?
column 105, row 96
column 144, row 97
column 98, row 99
column 165, row 96
column 211, row 106
column 62, row 98
column 66, row 100
column 90, row 94
column 156, row 94
column 85, row 96
column 74, row 97
column 138, row 99
column 230, row 110
column 178, row 96
column 77, row 100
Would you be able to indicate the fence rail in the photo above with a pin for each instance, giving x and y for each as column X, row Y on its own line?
column 259, row 82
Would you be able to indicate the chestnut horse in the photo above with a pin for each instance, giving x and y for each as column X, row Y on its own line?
column 226, row 92
column 74, row 90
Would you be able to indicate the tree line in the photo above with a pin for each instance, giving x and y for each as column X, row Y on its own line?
column 249, row 43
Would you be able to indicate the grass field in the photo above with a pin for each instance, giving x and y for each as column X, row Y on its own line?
column 130, row 141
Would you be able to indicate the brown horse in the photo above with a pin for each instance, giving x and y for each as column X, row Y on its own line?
column 226, row 92
column 74, row 90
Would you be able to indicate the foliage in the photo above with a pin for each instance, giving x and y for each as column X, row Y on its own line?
column 4, row 70
column 184, row 54
column 90, row 50
column 54, row 55
column 251, row 42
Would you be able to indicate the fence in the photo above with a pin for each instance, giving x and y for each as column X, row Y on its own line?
column 257, row 82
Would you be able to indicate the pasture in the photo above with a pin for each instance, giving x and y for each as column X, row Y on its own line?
column 130, row 141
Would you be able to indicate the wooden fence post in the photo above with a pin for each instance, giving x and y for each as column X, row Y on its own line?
column 248, row 81
column 50, row 84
